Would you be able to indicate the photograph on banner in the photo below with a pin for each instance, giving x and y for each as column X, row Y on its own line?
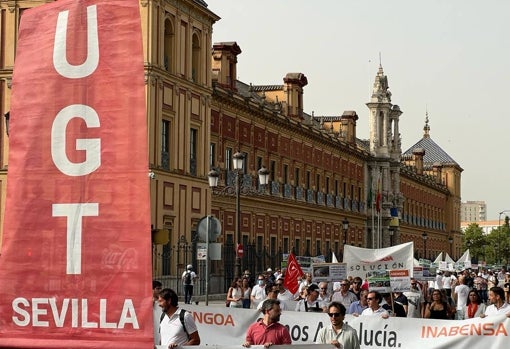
column 379, row 281
column 400, row 280
column 305, row 262
column 328, row 272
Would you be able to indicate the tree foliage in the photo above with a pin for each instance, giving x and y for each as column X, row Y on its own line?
column 493, row 248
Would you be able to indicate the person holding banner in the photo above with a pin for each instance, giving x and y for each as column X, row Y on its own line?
column 439, row 307
column 498, row 303
column 268, row 331
column 311, row 303
column 340, row 334
column 474, row 305
column 374, row 299
column 176, row 329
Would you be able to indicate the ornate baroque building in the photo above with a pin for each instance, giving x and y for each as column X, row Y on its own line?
column 322, row 175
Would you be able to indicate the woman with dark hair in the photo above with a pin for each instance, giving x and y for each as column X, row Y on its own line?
column 474, row 305
column 246, row 292
column 438, row 308
column 235, row 294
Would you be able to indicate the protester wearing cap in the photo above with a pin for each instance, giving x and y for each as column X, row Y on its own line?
column 311, row 303
column 339, row 334
column 188, row 278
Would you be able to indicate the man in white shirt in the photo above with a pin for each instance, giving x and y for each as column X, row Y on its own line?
column 461, row 293
column 188, row 279
column 311, row 303
column 449, row 281
column 175, row 331
column 339, row 334
column 344, row 296
column 498, row 304
column 156, row 310
column 438, row 284
column 324, row 295
column 374, row 299
column 258, row 292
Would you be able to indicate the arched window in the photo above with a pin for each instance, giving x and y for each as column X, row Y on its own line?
column 169, row 44
column 195, row 59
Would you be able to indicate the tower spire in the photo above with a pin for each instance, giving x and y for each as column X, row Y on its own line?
column 426, row 128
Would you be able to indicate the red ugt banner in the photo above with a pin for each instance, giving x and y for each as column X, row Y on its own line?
column 75, row 268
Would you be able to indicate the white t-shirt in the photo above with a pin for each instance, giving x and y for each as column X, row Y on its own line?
column 193, row 277
column 171, row 329
column 492, row 310
column 369, row 312
column 438, row 285
column 258, row 293
column 462, row 292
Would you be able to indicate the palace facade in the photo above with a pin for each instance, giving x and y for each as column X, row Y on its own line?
column 327, row 187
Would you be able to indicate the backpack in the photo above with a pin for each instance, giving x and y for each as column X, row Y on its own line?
column 181, row 317
column 187, row 278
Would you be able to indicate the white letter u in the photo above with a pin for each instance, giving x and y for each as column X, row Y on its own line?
column 60, row 62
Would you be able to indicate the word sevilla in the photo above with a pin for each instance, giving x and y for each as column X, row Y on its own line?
column 46, row 312
column 39, row 315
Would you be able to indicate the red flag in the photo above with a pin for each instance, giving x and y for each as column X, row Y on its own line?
column 292, row 275
column 378, row 202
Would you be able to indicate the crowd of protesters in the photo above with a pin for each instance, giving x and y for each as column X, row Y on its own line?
column 448, row 295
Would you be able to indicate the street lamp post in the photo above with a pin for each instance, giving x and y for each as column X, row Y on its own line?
column 345, row 225
column 263, row 173
column 450, row 241
column 424, row 236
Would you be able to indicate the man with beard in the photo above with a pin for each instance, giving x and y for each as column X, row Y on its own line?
column 340, row 334
column 177, row 326
column 268, row 331
column 498, row 303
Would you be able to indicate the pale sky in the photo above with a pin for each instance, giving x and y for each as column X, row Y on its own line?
column 448, row 57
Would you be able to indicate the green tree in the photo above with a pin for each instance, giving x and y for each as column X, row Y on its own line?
column 499, row 244
column 475, row 240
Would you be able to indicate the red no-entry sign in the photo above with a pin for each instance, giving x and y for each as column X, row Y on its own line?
column 240, row 250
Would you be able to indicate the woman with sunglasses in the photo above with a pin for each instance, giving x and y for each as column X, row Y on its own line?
column 235, row 294
column 474, row 305
column 339, row 333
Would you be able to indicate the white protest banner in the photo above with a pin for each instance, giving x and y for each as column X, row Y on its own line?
column 362, row 260
column 226, row 327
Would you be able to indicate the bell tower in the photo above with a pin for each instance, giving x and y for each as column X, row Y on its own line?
column 384, row 169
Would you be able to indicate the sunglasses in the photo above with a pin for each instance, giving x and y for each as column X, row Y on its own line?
column 324, row 288
column 344, row 284
column 370, row 298
column 334, row 314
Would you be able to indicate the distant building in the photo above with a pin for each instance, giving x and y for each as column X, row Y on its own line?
column 473, row 211
column 487, row 226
